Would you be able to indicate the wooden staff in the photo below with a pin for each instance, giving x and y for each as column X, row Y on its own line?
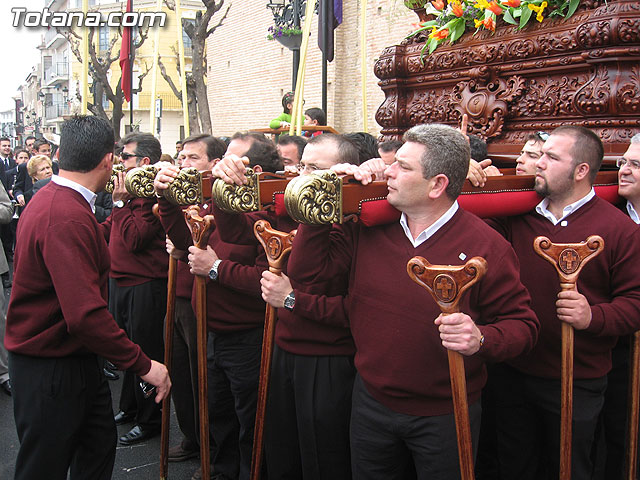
column 277, row 246
column 168, row 359
column 633, row 409
column 200, row 230
column 447, row 283
column 568, row 259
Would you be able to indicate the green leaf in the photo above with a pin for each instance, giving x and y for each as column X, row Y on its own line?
column 433, row 43
column 524, row 18
column 573, row 5
column 457, row 29
column 509, row 18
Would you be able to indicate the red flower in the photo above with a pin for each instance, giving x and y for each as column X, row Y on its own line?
column 441, row 34
column 457, row 9
column 512, row 3
column 489, row 24
column 495, row 8
column 438, row 4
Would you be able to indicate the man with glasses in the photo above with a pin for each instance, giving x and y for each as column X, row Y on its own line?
column 604, row 306
column 614, row 413
column 137, row 283
column 309, row 404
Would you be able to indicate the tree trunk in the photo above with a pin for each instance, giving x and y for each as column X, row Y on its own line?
column 198, row 73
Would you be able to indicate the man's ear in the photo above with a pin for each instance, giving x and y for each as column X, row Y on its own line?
column 107, row 161
column 439, row 185
column 145, row 161
column 257, row 168
column 581, row 171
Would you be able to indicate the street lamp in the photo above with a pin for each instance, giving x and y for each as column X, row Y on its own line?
column 289, row 13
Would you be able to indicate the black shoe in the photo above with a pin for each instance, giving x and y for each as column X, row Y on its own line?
column 137, row 434
column 6, row 386
column 122, row 418
column 110, row 375
column 110, row 366
column 180, row 454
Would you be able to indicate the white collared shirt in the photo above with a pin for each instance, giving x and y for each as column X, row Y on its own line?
column 541, row 208
column 429, row 231
column 87, row 194
column 632, row 212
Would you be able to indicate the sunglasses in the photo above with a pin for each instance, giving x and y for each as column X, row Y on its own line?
column 127, row 156
column 543, row 135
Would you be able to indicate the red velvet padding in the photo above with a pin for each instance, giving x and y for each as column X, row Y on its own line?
column 281, row 210
column 484, row 205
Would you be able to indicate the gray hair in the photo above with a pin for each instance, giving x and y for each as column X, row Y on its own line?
column 635, row 138
column 446, row 152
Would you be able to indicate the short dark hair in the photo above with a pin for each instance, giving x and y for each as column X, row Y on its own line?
column 587, row 147
column 146, row 145
column 390, row 145
column 365, row 143
column 265, row 155
column 38, row 143
column 179, row 141
column 535, row 137
column 347, row 153
column 5, row 139
column 446, row 152
column 215, row 147
column 84, row 141
column 478, row 148
column 317, row 114
column 296, row 140
column 29, row 138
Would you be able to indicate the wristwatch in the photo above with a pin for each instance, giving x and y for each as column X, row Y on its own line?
column 290, row 301
column 213, row 273
column 118, row 204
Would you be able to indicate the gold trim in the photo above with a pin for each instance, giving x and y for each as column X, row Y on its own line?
column 238, row 198
column 186, row 188
column 117, row 168
column 139, row 181
column 315, row 199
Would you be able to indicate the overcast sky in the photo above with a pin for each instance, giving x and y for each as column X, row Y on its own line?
column 18, row 47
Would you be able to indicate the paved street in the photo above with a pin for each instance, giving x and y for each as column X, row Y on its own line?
column 139, row 462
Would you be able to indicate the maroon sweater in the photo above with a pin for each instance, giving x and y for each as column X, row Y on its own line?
column 610, row 282
column 399, row 354
column 136, row 243
column 234, row 300
column 58, row 302
column 318, row 324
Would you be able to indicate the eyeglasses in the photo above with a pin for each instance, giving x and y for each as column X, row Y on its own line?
column 127, row 156
column 632, row 164
column 543, row 135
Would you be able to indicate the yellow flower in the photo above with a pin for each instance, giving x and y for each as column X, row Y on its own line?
column 482, row 4
column 477, row 22
column 538, row 10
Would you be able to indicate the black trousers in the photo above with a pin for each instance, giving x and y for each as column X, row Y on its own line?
column 308, row 411
column 528, row 421
column 64, row 419
column 184, row 373
column 233, row 376
column 384, row 443
column 140, row 310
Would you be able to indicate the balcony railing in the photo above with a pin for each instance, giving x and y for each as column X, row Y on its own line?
column 58, row 69
column 56, row 110
column 169, row 101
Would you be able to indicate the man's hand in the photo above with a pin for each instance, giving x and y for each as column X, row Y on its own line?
column 119, row 190
column 476, row 174
column 201, row 261
column 164, row 177
column 20, row 200
column 231, row 169
column 173, row 251
column 275, row 288
column 573, row 308
column 459, row 333
column 492, row 171
column 376, row 166
column 158, row 376
column 464, row 122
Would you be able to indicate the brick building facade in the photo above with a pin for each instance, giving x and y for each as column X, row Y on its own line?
column 248, row 74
